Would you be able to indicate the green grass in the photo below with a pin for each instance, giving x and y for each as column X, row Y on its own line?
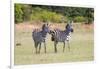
column 81, row 43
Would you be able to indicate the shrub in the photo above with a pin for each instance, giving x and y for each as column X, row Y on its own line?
column 46, row 16
column 79, row 19
column 18, row 13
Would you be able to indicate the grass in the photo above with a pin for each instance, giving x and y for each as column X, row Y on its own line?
column 82, row 47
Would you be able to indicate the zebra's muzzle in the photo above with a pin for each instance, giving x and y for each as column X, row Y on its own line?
column 72, row 30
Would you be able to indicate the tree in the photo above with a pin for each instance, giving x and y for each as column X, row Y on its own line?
column 89, row 15
column 18, row 13
column 27, row 12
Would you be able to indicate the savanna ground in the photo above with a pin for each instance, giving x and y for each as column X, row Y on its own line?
column 81, row 43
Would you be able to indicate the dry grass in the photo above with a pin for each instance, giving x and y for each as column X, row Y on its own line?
column 82, row 45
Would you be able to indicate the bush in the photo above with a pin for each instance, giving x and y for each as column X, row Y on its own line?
column 18, row 13
column 56, row 14
column 46, row 16
column 79, row 19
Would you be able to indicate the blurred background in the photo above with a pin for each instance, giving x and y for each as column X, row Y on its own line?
column 54, row 14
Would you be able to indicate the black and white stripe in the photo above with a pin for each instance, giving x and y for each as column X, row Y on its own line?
column 61, row 36
column 39, row 37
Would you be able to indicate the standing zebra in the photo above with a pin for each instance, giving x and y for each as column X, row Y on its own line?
column 61, row 36
column 39, row 37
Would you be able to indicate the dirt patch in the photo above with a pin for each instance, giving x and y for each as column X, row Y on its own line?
column 25, row 26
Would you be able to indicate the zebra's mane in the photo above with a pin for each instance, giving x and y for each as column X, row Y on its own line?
column 62, row 31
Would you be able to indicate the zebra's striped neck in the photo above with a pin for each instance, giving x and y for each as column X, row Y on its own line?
column 67, row 32
column 44, row 33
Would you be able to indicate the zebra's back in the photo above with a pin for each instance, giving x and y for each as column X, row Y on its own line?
column 59, row 36
column 37, row 37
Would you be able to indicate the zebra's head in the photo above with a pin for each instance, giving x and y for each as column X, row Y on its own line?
column 52, row 33
column 69, row 27
column 45, row 28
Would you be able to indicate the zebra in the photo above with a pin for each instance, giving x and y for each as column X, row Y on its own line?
column 61, row 36
column 40, row 36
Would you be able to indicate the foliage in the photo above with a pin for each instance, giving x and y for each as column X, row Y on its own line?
column 56, row 14
column 27, row 12
column 45, row 16
column 18, row 13
column 79, row 19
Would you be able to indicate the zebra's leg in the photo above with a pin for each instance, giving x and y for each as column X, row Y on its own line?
column 55, row 44
column 39, row 47
column 45, row 47
column 68, row 45
column 64, row 46
column 36, row 45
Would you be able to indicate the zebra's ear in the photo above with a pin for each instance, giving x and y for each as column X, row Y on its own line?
column 71, row 22
column 48, row 24
column 43, row 26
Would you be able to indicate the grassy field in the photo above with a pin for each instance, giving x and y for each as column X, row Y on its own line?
column 81, row 43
